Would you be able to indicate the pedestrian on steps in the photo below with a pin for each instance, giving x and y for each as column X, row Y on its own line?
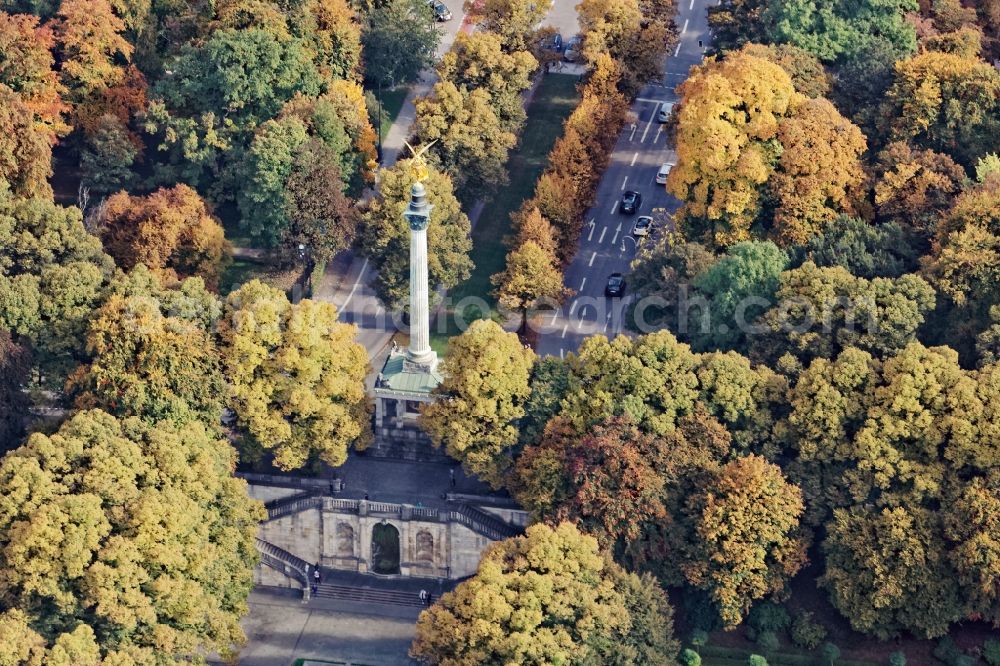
column 317, row 579
column 452, row 470
column 424, row 596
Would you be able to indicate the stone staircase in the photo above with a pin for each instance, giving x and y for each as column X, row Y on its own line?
column 368, row 595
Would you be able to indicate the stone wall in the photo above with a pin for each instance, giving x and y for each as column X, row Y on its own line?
column 343, row 540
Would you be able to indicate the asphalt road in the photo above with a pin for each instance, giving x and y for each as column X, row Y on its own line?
column 607, row 245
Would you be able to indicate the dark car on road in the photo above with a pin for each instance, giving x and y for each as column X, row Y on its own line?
column 630, row 203
column 572, row 52
column 616, row 286
column 441, row 11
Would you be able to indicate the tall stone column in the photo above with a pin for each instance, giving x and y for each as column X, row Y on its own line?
column 418, row 215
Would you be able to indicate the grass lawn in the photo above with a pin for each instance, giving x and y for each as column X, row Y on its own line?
column 554, row 100
column 392, row 102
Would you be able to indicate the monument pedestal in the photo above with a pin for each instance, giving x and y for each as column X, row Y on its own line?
column 400, row 390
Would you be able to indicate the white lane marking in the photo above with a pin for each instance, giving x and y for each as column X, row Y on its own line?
column 624, row 182
column 603, row 231
column 614, row 205
column 677, row 50
column 636, row 156
column 555, row 314
column 361, row 274
column 653, row 101
column 646, row 131
column 607, row 323
column 614, row 239
column 685, row 28
column 582, row 283
column 592, row 260
column 592, row 226
column 565, row 326
column 572, row 308
column 579, row 324
column 562, row 353
column 632, row 135
column 691, row 5
column 659, row 130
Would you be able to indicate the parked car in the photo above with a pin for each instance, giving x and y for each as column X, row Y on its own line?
column 643, row 225
column 441, row 11
column 616, row 286
column 572, row 52
column 663, row 114
column 661, row 175
column 630, row 203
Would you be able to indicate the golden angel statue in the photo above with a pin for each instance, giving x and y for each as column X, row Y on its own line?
column 418, row 165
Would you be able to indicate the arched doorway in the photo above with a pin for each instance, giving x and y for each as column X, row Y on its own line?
column 385, row 549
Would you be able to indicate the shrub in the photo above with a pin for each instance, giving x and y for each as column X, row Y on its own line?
column 947, row 652
column 767, row 641
column 807, row 633
column 756, row 660
column 831, row 653
column 700, row 612
column 690, row 658
column 699, row 638
column 991, row 652
column 767, row 616
column 897, row 659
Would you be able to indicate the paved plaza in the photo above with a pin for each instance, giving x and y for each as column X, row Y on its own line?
column 280, row 629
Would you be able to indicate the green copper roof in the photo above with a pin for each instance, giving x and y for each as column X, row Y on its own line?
column 398, row 375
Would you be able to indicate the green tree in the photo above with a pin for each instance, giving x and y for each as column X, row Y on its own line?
column 125, row 541
column 400, row 40
column 296, row 376
column 837, row 30
column 219, row 92
column 748, row 543
column 531, row 277
column 385, row 235
column 149, row 364
column 552, row 597
column 739, row 288
column 822, row 311
column 295, row 193
column 52, row 274
column 481, row 399
column 107, row 158
column 896, row 556
column 865, row 250
column 14, row 368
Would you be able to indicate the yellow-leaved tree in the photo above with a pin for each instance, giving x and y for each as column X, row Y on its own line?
column 296, row 376
column 481, row 398
column 548, row 597
column 727, row 144
column 123, row 542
